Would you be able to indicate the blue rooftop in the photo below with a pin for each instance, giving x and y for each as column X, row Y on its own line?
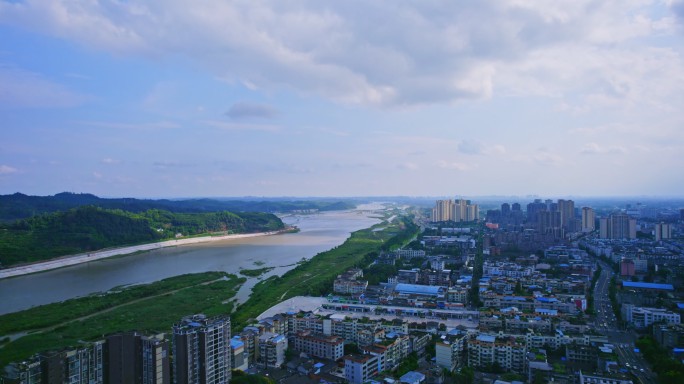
column 236, row 343
column 514, row 298
column 418, row 289
column 412, row 377
column 547, row 299
column 680, row 305
column 486, row 338
column 632, row 284
column 278, row 338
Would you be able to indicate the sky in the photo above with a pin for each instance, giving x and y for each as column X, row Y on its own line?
column 170, row 98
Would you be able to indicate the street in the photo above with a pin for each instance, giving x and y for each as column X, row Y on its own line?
column 623, row 340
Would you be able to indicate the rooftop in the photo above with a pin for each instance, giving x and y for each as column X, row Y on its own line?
column 632, row 284
column 418, row 289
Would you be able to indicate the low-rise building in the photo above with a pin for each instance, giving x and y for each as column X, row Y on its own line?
column 272, row 349
column 360, row 368
column 507, row 351
column 318, row 345
column 642, row 317
column 450, row 352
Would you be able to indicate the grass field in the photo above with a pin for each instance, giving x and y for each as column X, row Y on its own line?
column 150, row 308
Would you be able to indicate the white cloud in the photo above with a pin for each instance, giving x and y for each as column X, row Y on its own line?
column 453, row 165
column 408, row 166
column 6, row 169
column 25, row 89
column 389, row 53
column 547, row 159
column 108, row 160
column 596, row 149
column 475, row 147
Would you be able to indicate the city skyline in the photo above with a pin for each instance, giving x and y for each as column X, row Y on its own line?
column 342, row 99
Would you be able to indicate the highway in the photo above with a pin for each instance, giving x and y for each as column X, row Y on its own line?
column 623, row 339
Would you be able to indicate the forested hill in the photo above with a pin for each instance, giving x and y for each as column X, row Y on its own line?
column 20, row 206
column 90, row 228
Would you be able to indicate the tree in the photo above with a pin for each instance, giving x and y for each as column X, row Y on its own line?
column 519, row 289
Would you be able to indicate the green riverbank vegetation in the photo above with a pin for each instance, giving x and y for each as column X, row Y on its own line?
column 150, row 308
column 315, row 276
column 89, row 228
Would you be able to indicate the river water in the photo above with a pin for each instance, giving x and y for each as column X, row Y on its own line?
column 318, row 232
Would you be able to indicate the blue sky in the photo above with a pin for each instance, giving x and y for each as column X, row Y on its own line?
column 320, row 98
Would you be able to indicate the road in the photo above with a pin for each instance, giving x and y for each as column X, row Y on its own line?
column 623, row 339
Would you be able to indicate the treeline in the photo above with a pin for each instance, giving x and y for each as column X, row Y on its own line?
column 20, row 206
column 669, row 370
column 91, row 228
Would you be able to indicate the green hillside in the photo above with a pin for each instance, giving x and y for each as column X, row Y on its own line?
column 90, row 228
column 20, row 206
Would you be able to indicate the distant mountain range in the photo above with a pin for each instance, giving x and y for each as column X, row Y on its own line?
column 20, row 206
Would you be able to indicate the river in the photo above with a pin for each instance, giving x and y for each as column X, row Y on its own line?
column 318, row 232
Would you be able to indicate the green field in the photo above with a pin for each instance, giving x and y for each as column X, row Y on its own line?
column 255, row 272
column 149, row 308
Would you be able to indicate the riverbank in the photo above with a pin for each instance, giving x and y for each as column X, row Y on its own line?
column 315, row 277
column 66, row 261
column 150, row 308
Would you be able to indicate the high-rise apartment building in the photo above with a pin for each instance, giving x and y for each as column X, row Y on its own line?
column 567, row 214
column 156, row 364
column 534, row 208
column 588, row 219
column 458, row 210
column 548, row 221
column 662, row 231
column 201, row 350
column 442, row 210
column 617, row 226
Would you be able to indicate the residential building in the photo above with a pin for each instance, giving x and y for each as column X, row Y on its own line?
column 617, row 226
column 567, row 214
column 458, row 211
column 201, row 350
column 318, row 345
column 594, row 379
column 669, row 335
column 360, row 368
column 272, row 347
column 507, row 351
column 588, row 219
column 156, row 363
column 662, row 231
column 238, row 356
column 451, row 352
